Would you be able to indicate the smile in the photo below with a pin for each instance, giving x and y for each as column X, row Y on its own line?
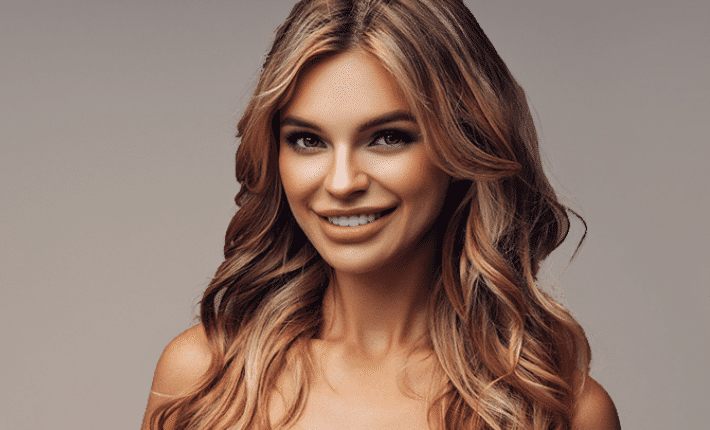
column 354, row 221
column 357, row 220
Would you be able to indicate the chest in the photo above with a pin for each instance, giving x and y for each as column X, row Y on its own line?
column 371, row 401
column 359, row 409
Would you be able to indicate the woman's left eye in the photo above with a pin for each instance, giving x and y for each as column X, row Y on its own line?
column 393, row 138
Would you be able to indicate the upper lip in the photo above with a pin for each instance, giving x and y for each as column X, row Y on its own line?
column 367, row 210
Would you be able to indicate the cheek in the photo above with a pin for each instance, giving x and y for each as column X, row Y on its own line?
column 299, row 176
column 414, row 178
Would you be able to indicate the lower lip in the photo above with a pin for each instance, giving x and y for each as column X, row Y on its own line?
column 355, row 234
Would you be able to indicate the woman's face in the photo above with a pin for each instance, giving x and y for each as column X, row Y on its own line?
column 357, row 175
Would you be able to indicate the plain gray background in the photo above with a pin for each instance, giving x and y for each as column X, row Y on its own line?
column 117, row 180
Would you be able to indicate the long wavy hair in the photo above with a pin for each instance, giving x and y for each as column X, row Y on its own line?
column 514, row 358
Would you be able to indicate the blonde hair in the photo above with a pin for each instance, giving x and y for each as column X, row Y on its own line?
column 514, row 358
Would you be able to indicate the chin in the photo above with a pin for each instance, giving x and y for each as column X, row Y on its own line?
column 353, row 264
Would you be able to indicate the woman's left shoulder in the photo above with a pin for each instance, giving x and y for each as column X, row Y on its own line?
column 594, row 409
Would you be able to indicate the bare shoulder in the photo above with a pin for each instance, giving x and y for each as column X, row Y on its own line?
column 594, row 409
column 183, row 362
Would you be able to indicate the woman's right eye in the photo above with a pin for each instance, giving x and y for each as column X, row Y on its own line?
column 303, row 141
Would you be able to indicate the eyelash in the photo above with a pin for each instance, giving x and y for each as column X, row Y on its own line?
column 405, row 138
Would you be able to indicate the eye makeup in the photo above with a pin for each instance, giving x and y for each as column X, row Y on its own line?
column 305, row 141
column 302, row 141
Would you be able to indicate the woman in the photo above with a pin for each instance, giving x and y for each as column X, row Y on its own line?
column 380, row 272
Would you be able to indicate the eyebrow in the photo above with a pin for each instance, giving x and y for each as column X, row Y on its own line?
column 398, row 115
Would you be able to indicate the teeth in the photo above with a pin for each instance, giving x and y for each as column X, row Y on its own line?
column 354, row 221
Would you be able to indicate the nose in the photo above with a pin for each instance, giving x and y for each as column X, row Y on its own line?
column 346, row 177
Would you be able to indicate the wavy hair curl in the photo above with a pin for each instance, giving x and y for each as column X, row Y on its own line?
column 514, row 358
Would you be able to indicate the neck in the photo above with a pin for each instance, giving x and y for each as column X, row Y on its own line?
column 382, row 313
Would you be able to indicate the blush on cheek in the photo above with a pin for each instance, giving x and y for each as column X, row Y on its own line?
column 312, row 171
column 299, row 176
column 412, row 173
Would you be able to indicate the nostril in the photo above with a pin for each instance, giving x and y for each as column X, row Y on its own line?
column 348, row 182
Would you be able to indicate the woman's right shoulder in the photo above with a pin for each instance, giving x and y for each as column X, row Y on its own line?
column 183, row 362
column 181, row 366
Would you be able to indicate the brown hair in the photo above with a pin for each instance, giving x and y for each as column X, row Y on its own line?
column 514, row 358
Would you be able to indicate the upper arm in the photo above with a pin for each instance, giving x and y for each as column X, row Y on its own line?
column 183, row 362
column 594, row 410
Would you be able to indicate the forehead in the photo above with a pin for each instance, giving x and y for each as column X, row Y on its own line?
column 350, row 86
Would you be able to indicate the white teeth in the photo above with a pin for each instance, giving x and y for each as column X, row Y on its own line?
column 354, row 221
